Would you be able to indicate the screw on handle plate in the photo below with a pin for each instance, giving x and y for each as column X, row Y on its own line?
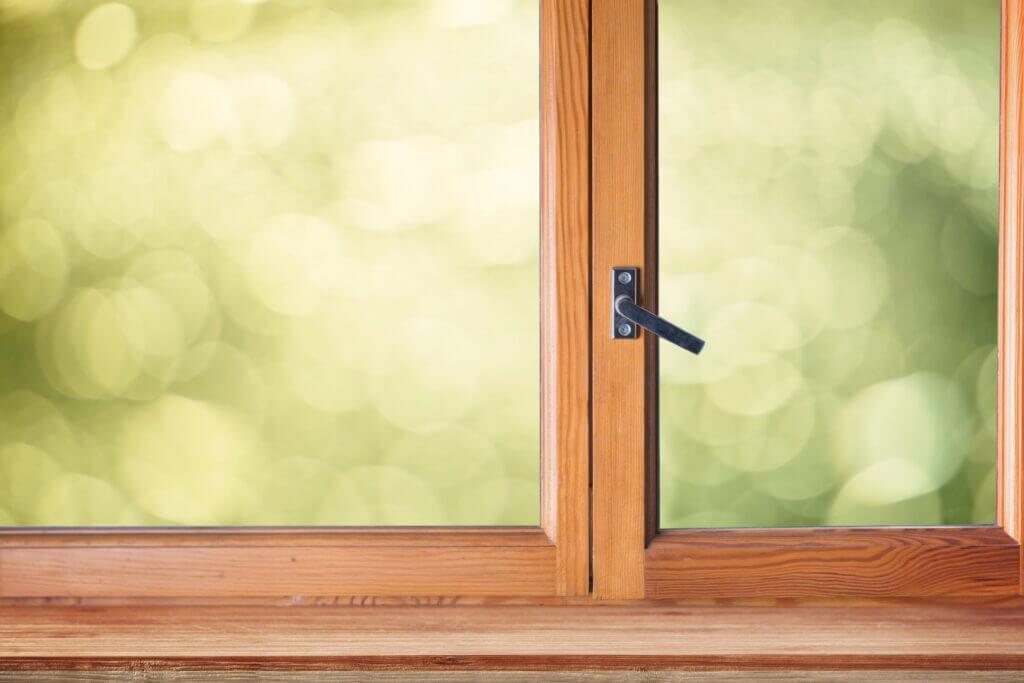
column 628, row 315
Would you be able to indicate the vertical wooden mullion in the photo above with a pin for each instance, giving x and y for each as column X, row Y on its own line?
column 1010, row 515
column 565, row 290
column 623, row 208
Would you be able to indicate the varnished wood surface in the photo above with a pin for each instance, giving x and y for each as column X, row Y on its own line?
column 978, row 561
column 284, row 537
column 136, row 673
column 565, row 289
column 524, row 638
column 621, row 210
column 1011, row 488
column 185, row 571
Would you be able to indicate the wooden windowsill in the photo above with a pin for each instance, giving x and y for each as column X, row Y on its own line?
column 796, row 636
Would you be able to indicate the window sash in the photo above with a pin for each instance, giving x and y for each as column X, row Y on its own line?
column 633, row 557
column 548, row 560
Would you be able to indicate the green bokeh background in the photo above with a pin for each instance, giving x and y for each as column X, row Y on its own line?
column 269, row 263
column 276, row 262
column 829, row 224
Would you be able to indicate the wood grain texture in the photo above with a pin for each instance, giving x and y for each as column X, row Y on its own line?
column 188, row 571
column 982, row 561
column 565, row 289
column 1010, row 507
column 621, row 211
column 284, row 537
column 833, row 637
column 216, row 672
column 429, row 601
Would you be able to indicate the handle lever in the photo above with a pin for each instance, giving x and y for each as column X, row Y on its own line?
column 627, row 315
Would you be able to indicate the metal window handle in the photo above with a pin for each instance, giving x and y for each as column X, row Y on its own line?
column 627, row 315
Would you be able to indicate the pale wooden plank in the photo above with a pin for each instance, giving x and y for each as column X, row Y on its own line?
column 605, row 637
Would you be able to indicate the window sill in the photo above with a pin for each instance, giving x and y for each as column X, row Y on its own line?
column 909, row 635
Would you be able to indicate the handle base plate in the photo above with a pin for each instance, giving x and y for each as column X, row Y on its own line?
column 619, row 322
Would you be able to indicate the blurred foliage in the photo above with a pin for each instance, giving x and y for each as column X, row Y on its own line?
column 829, row 224
column 269, row 262
column 276, row 262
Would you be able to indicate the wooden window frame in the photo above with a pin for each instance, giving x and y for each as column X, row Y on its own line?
column 610, row 410
column 548, row 560
column 598, row 539
column 632, row 557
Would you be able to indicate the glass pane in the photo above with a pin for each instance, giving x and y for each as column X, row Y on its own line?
column 829, row 224
column 269, row 263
